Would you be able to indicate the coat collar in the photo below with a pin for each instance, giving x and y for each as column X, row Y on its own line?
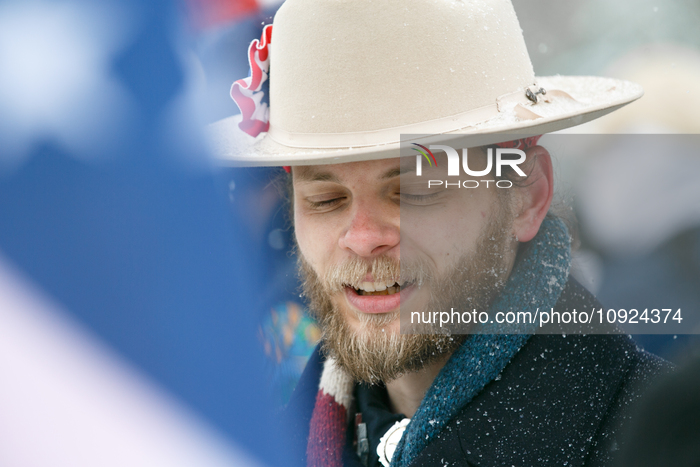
column 545, row 408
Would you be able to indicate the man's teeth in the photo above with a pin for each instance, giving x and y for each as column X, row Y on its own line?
column 376, row 286
column 379, row 288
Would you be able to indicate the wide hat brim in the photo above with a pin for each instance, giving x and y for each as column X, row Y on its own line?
column 589, row 97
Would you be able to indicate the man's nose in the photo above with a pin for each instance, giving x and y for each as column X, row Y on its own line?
column 371, row 231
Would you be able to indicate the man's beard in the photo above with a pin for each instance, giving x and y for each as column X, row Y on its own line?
column 372, row 354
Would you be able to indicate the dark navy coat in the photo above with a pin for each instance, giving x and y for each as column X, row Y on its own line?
column 561, row 401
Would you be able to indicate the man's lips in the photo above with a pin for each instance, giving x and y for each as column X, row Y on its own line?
column 378, row 303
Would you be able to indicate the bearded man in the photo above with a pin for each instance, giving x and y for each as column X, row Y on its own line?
column 378, row 245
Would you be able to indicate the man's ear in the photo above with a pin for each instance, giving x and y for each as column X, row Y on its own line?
column 535, row 196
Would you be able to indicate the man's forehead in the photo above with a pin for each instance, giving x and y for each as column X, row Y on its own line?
column 381, row 169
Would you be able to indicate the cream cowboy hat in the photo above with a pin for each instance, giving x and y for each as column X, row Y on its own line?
column 349, row 77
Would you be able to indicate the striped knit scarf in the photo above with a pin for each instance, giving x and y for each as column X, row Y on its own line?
column 537, row 279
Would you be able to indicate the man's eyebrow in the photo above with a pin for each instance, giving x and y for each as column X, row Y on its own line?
column 406, row 169
column 309, row 174
column 401, row 170
column 391, row 173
